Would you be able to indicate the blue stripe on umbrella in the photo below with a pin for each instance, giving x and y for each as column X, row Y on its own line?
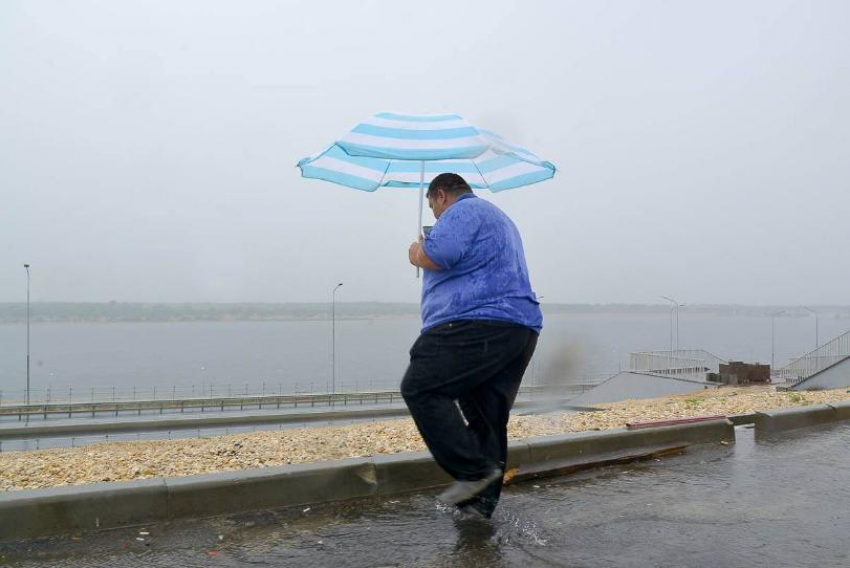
column 400, row 167
column 413, row 154
column 407, row 134
column 340, row 178
column 521, row 180
column 367, row 167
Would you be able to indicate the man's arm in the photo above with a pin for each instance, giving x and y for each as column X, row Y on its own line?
column 417, row 257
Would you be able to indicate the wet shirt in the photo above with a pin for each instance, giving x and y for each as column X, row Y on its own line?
column 484, row 274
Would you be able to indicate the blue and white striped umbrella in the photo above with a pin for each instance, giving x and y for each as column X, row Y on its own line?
column 402, row 150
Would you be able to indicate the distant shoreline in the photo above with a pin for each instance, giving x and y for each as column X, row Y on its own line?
column 138, row 312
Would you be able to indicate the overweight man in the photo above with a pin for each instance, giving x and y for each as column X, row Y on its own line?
column 480, row 323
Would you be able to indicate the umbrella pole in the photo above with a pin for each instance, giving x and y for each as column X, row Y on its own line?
column 421, row 197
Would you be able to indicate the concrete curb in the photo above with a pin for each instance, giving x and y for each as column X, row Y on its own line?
column 41, row 512
column 82, row 507
column 743, row 419
column 302, row 484
column 177, row 423
column 842, row 409
column 781, row 419
column 555, row 448
column 192, row 422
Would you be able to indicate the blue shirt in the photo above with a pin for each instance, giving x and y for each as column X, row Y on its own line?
column 484, row 274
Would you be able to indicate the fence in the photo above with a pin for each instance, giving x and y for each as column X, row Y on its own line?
column 51, row 394
column 816, row 361
column 690, row 364
column 70, row 395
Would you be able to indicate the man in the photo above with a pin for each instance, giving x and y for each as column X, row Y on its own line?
column 480, row 322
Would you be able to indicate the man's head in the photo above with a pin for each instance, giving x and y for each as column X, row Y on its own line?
column 444, row 191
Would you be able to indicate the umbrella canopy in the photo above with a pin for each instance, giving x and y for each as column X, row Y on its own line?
column 403, row 150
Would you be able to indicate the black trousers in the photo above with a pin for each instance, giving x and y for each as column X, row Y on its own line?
column 460, row 386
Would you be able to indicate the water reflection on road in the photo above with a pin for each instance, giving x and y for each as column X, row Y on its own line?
column 776, row 502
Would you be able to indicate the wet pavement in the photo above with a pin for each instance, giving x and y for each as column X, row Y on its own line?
column 778, row 502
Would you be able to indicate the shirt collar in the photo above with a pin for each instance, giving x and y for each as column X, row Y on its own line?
column 465, row 196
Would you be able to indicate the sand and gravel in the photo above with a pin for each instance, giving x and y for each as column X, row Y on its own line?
column 116, row 461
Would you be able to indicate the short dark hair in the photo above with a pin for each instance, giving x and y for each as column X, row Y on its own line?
column 450, row 183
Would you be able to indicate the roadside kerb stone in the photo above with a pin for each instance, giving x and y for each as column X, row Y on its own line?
column 101, row 426
column 40, row 512
column 842, row 410
column 108, row 505
column 191, row 422
column 782, row 419
column 570, row 446
column 742, row 419
column 573, row 464
column 272, row 487
column 402, row 473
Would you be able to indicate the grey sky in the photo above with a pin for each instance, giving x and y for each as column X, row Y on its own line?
column 147, row 149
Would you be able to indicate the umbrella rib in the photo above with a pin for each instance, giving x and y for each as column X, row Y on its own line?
column 486, row 183
column 384, row 175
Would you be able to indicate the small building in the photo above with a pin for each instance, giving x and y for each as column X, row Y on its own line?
column 738, row 373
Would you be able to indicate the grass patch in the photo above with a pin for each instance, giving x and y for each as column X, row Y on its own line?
column 798, row 399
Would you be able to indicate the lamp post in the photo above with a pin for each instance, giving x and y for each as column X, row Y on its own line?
column 773, row 338
column 678, row 345
column 333, row 338
column 675, row 306
column 817, row 326
column 27, row 267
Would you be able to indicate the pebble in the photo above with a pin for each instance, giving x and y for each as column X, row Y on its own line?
column 114, row 461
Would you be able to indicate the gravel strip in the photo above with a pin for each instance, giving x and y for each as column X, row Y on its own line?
column 115, row 461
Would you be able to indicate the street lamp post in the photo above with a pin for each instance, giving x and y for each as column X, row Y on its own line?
column 675, row 306
column 27, row 267
column 773, row 338
column 817, row 326
column 678, row 343
column 333, row 338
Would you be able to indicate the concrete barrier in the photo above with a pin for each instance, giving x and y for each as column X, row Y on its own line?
column 782, row 419
column 557, row 448
column 742, row 419
column 29, row 514
column 272, row 487
column 39, row 512
column 842, row 410
column 81, row 427
column 401, row 473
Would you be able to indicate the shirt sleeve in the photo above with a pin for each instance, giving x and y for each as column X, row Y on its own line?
column 451, row 238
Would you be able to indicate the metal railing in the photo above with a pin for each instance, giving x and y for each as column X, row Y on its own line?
column 816, row 361
column 230, row 404
column 202, row 404
column 42, row 440
column 132, row 393
column 690, row 364
column 51, row 394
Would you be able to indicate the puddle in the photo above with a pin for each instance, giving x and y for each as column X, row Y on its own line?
column 777, row 502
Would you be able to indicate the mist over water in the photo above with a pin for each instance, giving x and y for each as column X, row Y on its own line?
column 371, row 353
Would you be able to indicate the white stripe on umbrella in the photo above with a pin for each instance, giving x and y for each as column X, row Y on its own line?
column 399, row 150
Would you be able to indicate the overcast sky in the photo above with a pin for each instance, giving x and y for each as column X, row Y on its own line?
column 148, row 149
